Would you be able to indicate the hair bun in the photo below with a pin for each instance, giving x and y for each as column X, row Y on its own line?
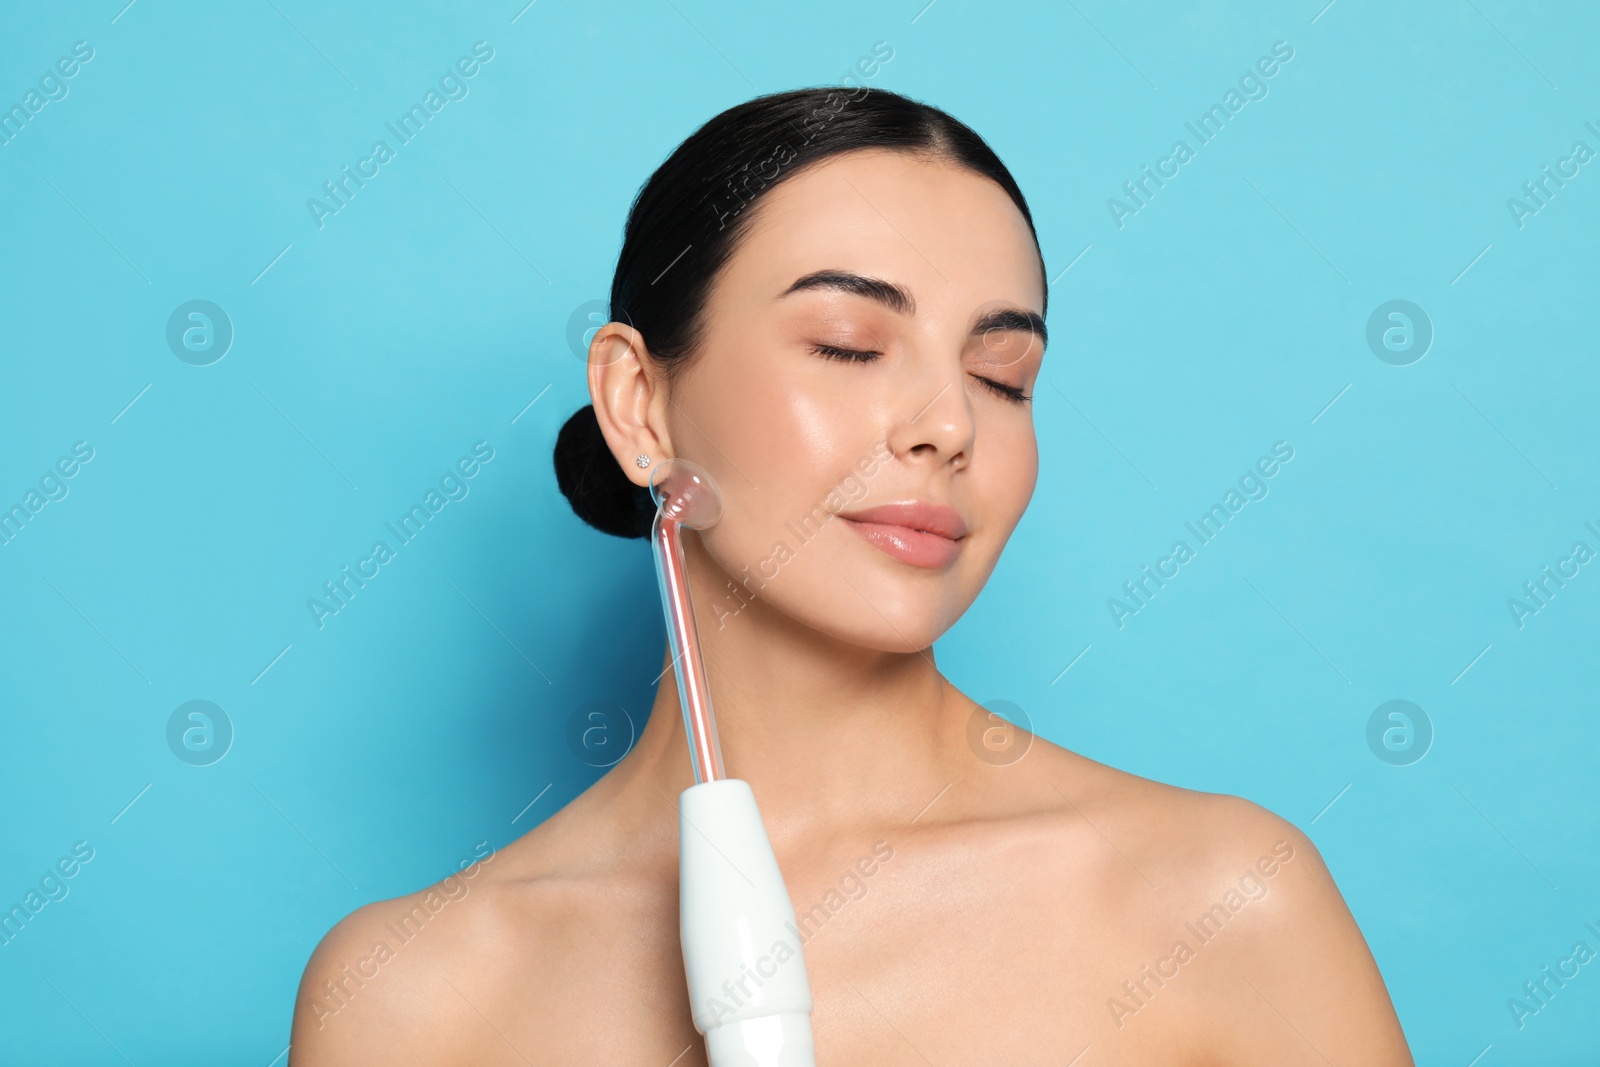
column 596, row 487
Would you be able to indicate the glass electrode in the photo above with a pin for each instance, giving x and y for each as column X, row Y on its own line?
column 686, row 497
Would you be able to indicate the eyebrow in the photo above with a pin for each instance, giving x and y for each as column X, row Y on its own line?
column 899, row 300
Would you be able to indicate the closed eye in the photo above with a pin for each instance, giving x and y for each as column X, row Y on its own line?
column 850, row 355
column 855, row 355
column 1010, row 392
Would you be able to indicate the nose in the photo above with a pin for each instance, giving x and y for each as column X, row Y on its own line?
column 934, row 423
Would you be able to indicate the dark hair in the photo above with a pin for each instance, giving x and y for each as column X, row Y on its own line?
column 688, row 218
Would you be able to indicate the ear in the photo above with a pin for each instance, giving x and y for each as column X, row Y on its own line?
column 629, row 395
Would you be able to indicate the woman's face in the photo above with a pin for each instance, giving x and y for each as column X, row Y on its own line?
column 865, row 346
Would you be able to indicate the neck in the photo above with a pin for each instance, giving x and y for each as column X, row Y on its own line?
column 828, row 734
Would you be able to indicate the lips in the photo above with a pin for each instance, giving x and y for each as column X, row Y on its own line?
column 923, row 535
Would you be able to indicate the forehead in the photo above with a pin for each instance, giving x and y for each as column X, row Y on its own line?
column 950, row 235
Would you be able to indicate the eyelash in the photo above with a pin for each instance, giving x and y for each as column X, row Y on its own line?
column 851, row 355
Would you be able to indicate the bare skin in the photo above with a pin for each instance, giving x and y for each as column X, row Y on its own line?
column 964, row 903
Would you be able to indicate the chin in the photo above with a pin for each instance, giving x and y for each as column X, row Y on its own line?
column 866, row 629
column 878, row 604
column 832, row 582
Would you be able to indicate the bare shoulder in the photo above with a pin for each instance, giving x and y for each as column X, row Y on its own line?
column 1283, row 973
column 501, row 957
column 1301, row 981
column 399, row 980
column 1189, row 838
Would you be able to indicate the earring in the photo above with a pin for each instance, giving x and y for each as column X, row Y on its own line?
column 642, row 460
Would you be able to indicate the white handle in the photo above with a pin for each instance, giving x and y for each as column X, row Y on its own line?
column 748, row 989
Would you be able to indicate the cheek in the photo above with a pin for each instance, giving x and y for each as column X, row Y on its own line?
column 1029, row 477
column 1008, row 470
column 778, row 444
column 787, row 435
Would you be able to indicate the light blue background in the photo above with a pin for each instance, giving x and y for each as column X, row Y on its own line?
column 372, row 754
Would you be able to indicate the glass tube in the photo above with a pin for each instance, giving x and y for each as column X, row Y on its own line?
column 694, row 696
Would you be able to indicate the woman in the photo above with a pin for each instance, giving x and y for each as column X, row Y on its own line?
column 835, row 302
